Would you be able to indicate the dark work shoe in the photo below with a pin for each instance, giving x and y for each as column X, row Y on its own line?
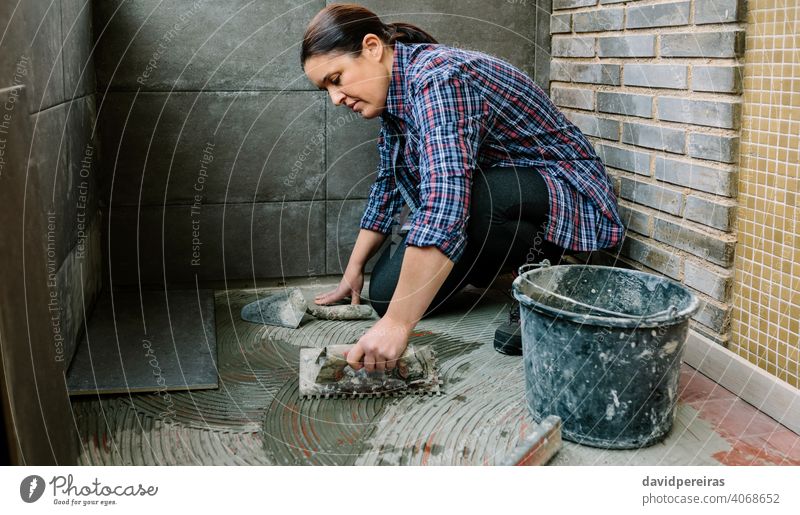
column 508, row 337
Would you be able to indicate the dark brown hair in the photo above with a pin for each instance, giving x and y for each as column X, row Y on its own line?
column 342, row 27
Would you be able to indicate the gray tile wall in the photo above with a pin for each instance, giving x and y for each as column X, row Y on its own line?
column 208, row 119
column 48, row 164
column 47, row 50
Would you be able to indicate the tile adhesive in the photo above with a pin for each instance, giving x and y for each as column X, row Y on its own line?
column 256, row 416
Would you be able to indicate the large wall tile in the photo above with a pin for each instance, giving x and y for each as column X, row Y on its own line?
column 83, row 163
column 352, row 153
column 46, row 71
column 541, row 60
column 64, row 158
column 48, row 161
column 227, row 147
column 31, row 342
column 30, row 51
column 79, row 279
column 14, row 45
column 343, row 218
column 76, row 28
column 214, row 241
column 201, row 45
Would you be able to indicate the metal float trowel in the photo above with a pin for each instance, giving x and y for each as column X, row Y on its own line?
column 286, row 309
column 324, row 373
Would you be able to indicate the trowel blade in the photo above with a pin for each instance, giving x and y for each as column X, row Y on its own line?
column 284, row 309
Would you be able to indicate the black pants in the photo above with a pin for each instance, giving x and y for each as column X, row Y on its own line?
column 509, row 211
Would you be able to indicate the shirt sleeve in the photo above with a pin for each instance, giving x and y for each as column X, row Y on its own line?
column 384, row 199
column 452, row 119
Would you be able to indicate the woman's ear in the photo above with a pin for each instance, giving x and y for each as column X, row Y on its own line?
column 372, row 47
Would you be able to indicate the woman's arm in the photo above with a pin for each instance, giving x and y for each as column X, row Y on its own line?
column 423, row 272
column 367, row 243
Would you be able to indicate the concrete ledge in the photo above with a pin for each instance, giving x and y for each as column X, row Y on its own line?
column 766, row 392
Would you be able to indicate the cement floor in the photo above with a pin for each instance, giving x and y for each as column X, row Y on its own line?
column 257, row 417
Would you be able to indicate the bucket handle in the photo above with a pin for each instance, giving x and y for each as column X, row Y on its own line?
column 672, row 310
column 528, row 266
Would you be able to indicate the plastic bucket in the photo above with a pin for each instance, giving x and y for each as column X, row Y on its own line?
column 602, row 348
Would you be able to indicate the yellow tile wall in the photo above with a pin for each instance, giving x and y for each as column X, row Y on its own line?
column 765, row 325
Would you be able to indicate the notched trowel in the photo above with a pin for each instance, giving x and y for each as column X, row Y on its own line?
column 324, row 373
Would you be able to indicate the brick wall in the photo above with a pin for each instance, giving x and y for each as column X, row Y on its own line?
column 657, row 88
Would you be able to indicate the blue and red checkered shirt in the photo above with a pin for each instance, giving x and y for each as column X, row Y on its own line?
column 450, row 111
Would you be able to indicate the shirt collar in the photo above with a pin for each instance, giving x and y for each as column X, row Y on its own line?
column 395, row 98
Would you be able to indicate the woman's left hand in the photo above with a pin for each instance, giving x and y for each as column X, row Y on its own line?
column 380, row 346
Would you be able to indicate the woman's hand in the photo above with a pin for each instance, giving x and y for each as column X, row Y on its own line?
column 350, row 286
column 422, row 274
column 380, row 346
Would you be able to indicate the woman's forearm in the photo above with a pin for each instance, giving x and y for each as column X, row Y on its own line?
column 367, row 243
column 423, row 272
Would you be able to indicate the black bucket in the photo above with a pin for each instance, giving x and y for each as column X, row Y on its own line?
column 602, row 348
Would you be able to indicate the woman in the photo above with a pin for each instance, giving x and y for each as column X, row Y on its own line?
column 494, row 175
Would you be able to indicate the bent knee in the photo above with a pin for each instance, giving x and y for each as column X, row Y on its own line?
column 380, row 294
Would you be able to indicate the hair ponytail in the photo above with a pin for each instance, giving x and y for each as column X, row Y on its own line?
column 342, row 27
column 407, row 33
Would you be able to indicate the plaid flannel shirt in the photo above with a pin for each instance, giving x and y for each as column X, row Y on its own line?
column 450, row 111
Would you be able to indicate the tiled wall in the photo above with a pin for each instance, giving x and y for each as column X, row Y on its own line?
column 49, row 218
column 221, row 160
column 47, row 50
column 766, row 291
column 656, row 85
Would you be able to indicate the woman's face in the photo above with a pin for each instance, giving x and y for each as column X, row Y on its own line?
column 359, row 82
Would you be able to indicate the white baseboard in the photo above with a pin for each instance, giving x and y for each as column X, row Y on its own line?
column 776, row 398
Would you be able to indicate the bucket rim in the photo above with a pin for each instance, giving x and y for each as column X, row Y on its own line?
column 644, row 321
